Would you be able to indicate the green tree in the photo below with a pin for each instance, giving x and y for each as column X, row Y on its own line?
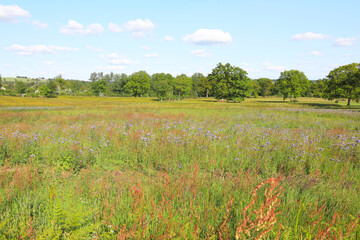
column 20, row 87
column 94, row 77
column 292, row 84
column 99, row 87
column 45, row 91
column 255, row 89
column 52, row 86
column 118, row 84
column 317, row 88
column 230, row 82
column 48, row 90
column 0, row 81
column 266, row 86
column 205, row 86
column 343, row 82
column 195, row 87
column 182, row 85
column 75, row 85
column 161, row 85
column 60, row 83
column 109, row 77
column 139, row 84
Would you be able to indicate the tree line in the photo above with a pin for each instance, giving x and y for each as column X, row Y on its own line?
column 225, row 82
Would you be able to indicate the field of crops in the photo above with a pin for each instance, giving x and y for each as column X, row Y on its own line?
column 137, row 168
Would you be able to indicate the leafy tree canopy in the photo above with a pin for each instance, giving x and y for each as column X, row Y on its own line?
column 182, row 85
column 48, row 90
column 292, row 84
column 139, row 84
column 60, row 82
column 230, row 82
column 195, row 87
column 20, row 87
column 266, row 86
column 317, row 88
column 161, row 85
column 205, row 86
column 255, row 89
column 343, row 82
column 119, row 82
column 99, row 87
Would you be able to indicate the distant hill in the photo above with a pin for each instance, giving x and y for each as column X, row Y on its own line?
column 25, row 80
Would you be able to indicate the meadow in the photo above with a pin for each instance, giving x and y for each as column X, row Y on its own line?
column 138, row 168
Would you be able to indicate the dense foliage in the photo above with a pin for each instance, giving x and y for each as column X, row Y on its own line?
column 292, row 84
column 161, row 85
column 230, row 82
column 343, row 82
column 225, row 82
column 138, row 84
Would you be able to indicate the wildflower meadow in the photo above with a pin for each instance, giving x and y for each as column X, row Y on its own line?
column 139, row 168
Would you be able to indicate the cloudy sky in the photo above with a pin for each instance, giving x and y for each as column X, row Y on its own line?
column 75, row 38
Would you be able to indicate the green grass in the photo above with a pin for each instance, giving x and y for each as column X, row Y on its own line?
column 138, row 168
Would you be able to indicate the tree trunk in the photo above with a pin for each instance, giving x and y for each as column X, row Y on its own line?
column 207, row 93
column 349, row 99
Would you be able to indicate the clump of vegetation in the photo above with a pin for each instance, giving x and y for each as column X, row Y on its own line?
column 225, row 82
column 134, row 168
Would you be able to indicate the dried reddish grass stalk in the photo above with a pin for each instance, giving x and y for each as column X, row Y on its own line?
column 265, row 215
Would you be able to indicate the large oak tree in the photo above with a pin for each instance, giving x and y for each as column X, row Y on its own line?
column 343, row 82
column 138, row 84
column 161, row 85
column 292, row 84
column 230, row 82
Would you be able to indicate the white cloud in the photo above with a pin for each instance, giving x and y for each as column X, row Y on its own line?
column 316, row 53
column 344, row 42
column 309, row 36
column 151, row 55
column 146, row 47
column 95, row 49
column 245, row 64
column 48, row 62
column 121, row 61
column 40, row 24
column 113, row 56
column 139, row 27
column 270, row 67
column 203, row 53
column 65, row 49
column 115, row 59
column 169, row 39
column 208, row 37
column 12, row 13
column 110, row 68
column 75, row 28
column 33, row 49
column 115, row 62
column 113, row 27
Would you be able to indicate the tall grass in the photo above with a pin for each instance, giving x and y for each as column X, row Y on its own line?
column 132, row 168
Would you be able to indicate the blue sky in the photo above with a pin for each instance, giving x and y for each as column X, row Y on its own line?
column 75, row 38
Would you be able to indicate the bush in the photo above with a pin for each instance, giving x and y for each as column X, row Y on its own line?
column 46, row 92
